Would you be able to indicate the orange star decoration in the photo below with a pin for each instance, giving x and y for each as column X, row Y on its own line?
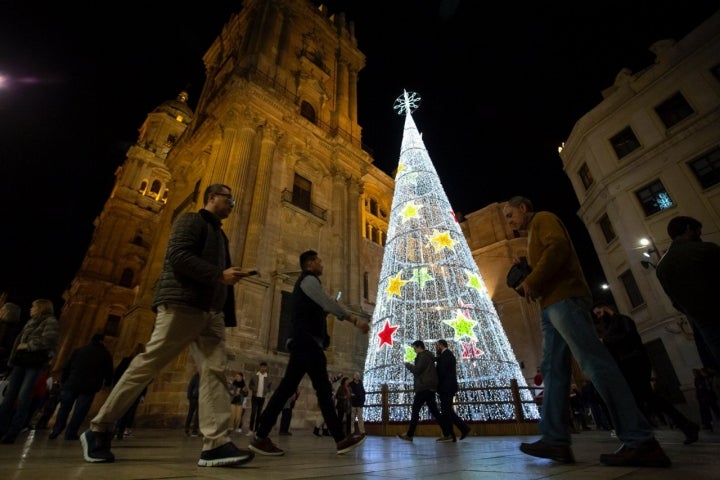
column 410, row 211
column 395, row 284
column 442, row 240
column 386, row 334
column 463, row 326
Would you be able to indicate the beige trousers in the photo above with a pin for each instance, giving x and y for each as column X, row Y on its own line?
column 176, row 328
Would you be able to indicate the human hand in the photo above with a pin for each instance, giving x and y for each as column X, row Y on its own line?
column 526, row 291
column 363, row 325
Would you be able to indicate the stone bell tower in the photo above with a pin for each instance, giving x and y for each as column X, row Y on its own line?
column 277, row 122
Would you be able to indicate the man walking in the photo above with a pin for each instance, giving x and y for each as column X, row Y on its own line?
column 259, row 387
column 311, row 305
column 447, row 388
column 194, row 301
column 688, row 272
column 357, row 403
column 425, row 382
column 619, row 334
column 88, row 370
column 558, row 284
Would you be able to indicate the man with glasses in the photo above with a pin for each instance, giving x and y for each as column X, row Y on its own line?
column 194, row 301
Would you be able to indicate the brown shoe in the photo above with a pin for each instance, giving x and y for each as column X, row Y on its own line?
column 648, row 454
column 265, row 446
column 541, row 449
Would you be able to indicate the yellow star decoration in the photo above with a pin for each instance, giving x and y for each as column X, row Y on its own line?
column 442, row 240
column 400, row 168
column 474, row 281
column 463, row 326
column 410, row 211
column 410, row 354
column 421, row 276
column 396, row 283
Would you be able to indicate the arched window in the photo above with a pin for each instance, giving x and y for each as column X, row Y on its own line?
column 155, row 189
column 143, row 187
column 307, row 111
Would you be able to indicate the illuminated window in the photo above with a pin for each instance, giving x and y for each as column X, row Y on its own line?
column 155, row 189
column 654, row 198
column 143, row 187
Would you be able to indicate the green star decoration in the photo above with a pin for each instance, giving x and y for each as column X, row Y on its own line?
column 410, row 354
column 474, row 281
column 463, row 326
column 410, row 211
column 421, row 276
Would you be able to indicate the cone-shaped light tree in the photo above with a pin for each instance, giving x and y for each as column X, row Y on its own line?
column 430, row 288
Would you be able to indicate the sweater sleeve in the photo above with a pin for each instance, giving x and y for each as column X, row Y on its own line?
column 312, row 288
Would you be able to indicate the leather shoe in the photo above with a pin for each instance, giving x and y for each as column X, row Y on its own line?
column 691, row 432
column 405, row 437
column 541, row 449
column 446, row 438
column 647, row 454
column 465, row 433
column 53, row 435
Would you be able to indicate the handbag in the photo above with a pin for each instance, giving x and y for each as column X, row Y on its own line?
column 30, row 358
column 517, row 274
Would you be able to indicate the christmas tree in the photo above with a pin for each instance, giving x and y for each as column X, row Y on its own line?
column 430, row 288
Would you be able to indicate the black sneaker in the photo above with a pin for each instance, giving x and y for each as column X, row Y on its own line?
column 265, row 446
column 224, row 455
column 465, row 433
column 405, row 437
column 349, row 443
column 446, row 439
column 690, row 430
column 96, row 446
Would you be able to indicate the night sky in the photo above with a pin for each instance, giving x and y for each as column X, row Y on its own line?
column 502, row 85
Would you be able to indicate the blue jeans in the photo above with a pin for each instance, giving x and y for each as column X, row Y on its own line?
column 15, row 406
column 568, row 331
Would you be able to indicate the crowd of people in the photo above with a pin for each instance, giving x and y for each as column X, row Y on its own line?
column 194, row 303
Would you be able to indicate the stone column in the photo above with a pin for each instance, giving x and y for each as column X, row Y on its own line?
column 236, row 178
column 355, row 188
column 343, row 100
column 258, row 207
column 338, row 234
column 352, row 94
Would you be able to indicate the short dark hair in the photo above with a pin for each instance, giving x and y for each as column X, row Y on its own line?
column 307, row 256
column 98, row 338
column 517, row 200
column 680, row 224
column 263, row 364
column 214, row 188
column 443, row 342
column 419, row 343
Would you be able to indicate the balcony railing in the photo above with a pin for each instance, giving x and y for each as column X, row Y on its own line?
column 287, row 197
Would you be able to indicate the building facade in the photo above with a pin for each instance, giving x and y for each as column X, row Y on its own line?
column 648, row 152
column 277, row 122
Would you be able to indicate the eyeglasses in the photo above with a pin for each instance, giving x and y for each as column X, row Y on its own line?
column 229, row 196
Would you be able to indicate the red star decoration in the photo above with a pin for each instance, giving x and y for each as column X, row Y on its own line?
column 470, row 350
column 454, row 216
column 386, row 334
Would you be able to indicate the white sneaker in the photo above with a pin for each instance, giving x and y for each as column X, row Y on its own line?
column 250, row 433
column 239, row 430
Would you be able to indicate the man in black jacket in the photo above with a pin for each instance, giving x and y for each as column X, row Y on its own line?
column 88, row 370
column 194, row 301
column 447, row 388
column 425, row 382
